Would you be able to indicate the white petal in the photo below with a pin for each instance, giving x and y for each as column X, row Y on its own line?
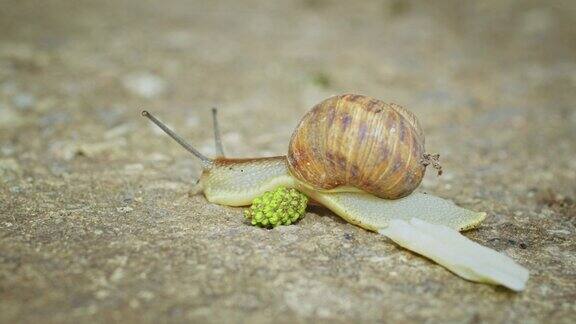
column 457, row 253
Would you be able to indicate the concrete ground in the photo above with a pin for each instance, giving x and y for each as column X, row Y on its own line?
column 97, row 222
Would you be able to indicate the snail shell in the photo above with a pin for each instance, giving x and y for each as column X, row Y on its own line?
column 355, row 140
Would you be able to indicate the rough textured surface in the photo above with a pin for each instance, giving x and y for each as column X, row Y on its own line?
column 96, row 220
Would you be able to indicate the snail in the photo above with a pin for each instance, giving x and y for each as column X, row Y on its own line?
column 363, row 159
column 356, row 155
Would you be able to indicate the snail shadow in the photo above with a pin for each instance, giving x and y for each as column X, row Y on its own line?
column 325, row 212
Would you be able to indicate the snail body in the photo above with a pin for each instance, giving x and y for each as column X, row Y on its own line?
column 237, row 182
column 355, row 165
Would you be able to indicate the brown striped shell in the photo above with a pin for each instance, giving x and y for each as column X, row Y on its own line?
column 355, row 140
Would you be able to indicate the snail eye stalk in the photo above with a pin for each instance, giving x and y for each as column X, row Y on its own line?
column 206, row 161
column 217, row 138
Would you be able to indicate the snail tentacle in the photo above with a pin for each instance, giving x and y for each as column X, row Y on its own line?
column 217, row 138
column 206, row 161
column 433, row 159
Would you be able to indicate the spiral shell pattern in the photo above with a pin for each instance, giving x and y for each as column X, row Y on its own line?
column 355, row 140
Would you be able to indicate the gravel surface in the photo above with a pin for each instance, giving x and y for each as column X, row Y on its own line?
column 97, row 219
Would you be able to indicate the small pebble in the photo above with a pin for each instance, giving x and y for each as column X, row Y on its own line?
column 117, row 275
column 157, row 157
column 192, row 121
column 58, row 169
column 537, row 21
column 9, row 118
column 289, row 238
column 134, row 168
column 145, row 84
column 377, row 259
column 24, row 101
column 146, row 295
column 127, row 198
column 118, row 131
column 15, row 189
column 233, row 138
column 9, row 166
column 134, row 303
column 7, row 149
column 125, row 209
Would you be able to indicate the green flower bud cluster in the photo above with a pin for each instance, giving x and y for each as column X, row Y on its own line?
column 281, row 206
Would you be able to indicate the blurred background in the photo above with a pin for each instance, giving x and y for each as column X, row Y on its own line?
column 96, row 216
